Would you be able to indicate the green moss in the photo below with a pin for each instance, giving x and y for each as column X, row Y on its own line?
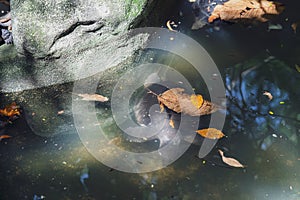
column 133, row 8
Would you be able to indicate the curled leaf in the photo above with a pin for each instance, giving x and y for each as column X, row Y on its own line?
column 169, row 25
column 92, row 97
column 230, row 161
column 211, row 133
column 268, row 94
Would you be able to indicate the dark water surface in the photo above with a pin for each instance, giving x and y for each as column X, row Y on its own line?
column 262, row 134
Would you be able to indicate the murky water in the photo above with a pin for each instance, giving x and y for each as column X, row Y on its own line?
column 263, row 134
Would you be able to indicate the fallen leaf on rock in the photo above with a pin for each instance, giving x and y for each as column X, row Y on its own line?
column 92, row 97
column 10, row 110
column 268, row 94
column 4, row 137
column 254, row 10
column 230, row 161
column 180, row 102
column 211, row 133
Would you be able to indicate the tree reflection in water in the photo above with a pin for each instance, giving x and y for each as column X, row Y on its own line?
column 253, row 113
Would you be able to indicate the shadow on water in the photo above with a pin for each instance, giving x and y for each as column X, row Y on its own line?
column 262, row 132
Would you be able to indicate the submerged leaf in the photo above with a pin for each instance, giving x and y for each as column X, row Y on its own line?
column 230, row 161
column 237, row 10
column 92, row 97
column 294, row 26
column 211, row 133
column 10, row 110
column 180, row 102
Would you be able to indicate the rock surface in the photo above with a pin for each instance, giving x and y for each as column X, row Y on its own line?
column 62, row 40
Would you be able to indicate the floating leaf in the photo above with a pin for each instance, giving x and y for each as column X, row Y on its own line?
column 4, row 137
column 231, row 161
column 268, row 94
column 211, row 133
column 92, row 97
column 237, row 10
column 169, row 25
column 197, row 100
column 180, row 102
column 10, row 110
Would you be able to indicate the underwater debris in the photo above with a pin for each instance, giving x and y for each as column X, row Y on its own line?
column 83, row 176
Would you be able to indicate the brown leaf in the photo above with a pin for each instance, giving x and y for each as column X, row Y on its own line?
column 294, row 26
column 92, row 97
column 180, row 102
column 10, row 110
column 230, row 161
column 254, row 10
column 211, row 133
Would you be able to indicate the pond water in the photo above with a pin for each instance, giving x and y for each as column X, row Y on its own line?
column 262, row 134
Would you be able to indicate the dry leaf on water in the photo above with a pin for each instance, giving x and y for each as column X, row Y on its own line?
column 268, row 94
column 180, row 102
column 10, row 110
column 211, row 133
column 4, row 137
column 230, row 161
column 92, row 97
column 255, row 10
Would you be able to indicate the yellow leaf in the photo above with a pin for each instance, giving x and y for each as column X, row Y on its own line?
column 230, row 161
column 197, row 100
column 211, row 133
column 171, row 123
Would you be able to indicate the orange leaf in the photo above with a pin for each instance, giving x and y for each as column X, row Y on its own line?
column 4, row 137
column 10, row 110
column 211, row 133
column 171, row 123
column 197, row 100
column 230, row 161
column 246, row 10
